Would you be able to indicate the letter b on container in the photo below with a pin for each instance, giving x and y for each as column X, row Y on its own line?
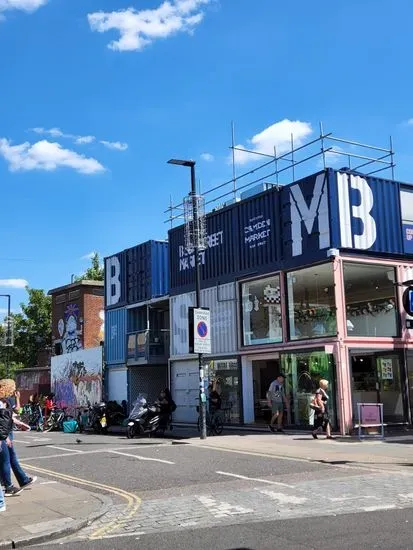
column 113, row 281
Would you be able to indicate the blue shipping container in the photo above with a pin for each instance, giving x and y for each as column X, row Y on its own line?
column 220, row 259
column 368, row 213
column 293, row 226
column 259, row 245
column 147, row 274
column 115, row 280
column 115, row 336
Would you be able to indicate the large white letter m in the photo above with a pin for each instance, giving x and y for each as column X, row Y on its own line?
column 301, row 212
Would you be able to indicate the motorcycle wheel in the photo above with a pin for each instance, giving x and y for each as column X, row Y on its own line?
column 97, row 428
column 130, row 432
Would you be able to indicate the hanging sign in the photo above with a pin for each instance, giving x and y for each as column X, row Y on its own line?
column 199, row 330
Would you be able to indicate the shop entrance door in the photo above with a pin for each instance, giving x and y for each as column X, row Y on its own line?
column 377, row 378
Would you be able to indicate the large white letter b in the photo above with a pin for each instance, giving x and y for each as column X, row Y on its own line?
column 113, row 287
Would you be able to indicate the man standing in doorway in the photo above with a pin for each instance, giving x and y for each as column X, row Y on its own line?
column 277, row 401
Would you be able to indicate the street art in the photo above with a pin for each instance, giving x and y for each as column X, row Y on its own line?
column 77, row 378
column 68, row 329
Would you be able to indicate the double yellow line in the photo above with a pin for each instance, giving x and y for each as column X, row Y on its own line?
column 133, row 501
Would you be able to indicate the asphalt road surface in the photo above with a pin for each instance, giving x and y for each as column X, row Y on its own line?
column 169, row 493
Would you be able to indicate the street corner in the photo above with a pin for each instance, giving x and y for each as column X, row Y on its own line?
column 49, row 510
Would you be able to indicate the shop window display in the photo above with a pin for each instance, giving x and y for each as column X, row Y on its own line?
column 370, row 300
column 311, row 303
column 261, row 311
column 304, row 372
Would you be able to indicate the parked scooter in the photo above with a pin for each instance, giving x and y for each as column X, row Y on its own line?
column 144, row 419
column 94, row 418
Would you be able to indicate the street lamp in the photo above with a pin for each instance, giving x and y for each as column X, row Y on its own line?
column 8, row 336
column 195, row 216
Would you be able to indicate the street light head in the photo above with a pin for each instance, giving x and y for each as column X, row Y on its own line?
column 179, row 162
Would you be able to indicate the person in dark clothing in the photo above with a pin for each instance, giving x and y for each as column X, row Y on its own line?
column 215, row 400
column 166, row 407
column 320, row 406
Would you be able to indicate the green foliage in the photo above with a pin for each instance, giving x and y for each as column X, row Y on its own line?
column 32, row 329
column 95, row 272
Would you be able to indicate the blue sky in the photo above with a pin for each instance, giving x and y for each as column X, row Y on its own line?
column 97, row 96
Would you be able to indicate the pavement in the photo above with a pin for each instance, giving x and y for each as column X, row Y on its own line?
column 150, row 488
column 48, row 509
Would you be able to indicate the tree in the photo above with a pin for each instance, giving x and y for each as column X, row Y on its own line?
column 95, row 272
column 32, row 329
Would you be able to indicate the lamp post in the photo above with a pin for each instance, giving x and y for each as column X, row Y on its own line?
column 8, row 336
column 191, row 164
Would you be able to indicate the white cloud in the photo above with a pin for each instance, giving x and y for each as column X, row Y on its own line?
column 22, row 5
column 45, row 155
column 13, row 283
column 88, row 256
column 207, row 157
column 277, row 135
column 114, row 145
column 80, row 140
column 139, row 28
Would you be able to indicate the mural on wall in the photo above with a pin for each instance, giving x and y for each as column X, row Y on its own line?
column 77, row 378
column 68, row 329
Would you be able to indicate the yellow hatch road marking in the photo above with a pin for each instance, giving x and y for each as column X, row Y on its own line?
column 133, row 501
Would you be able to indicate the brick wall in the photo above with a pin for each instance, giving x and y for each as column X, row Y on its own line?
column 93, row 324
column 76, row 317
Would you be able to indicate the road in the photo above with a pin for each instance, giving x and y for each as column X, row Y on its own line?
column 172, row 492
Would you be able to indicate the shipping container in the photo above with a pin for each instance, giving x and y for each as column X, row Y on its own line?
column 259, row 229
column 115, row 336
column 218, row 262
column 147, row 271
column 115, row 280
column 366, row 213
column 295, row 225
column 222, row 302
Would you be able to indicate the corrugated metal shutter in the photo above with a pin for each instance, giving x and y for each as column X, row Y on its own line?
column 147, row 380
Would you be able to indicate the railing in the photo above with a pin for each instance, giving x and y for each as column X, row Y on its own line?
column 148, row 346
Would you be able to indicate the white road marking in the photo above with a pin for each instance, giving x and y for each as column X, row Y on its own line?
column 379, row 507
column 64, row 449
column 138, row 457
column 238, row 476
column 47, row 482
column 282, row 498
column 223, row 509
column 343, row 499
column 408, row 496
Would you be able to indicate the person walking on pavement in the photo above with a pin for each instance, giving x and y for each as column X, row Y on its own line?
column 277, row 400
column 320, row 406
column 8, row 457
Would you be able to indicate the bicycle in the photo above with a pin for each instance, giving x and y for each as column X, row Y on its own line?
column 214, row 422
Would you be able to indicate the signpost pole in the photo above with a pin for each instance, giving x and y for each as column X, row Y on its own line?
column 202, row 396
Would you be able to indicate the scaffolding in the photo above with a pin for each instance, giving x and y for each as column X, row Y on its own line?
column 279, row 169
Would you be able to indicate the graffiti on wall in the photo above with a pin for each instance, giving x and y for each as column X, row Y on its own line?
column 70, row 329
column 77, row 378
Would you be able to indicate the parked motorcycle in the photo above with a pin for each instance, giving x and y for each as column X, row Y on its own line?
column 144, row 419
column 93, row 418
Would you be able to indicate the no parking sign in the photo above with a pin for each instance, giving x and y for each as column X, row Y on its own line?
column 200, row 330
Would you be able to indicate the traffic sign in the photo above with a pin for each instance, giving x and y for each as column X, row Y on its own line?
column 200, row 330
